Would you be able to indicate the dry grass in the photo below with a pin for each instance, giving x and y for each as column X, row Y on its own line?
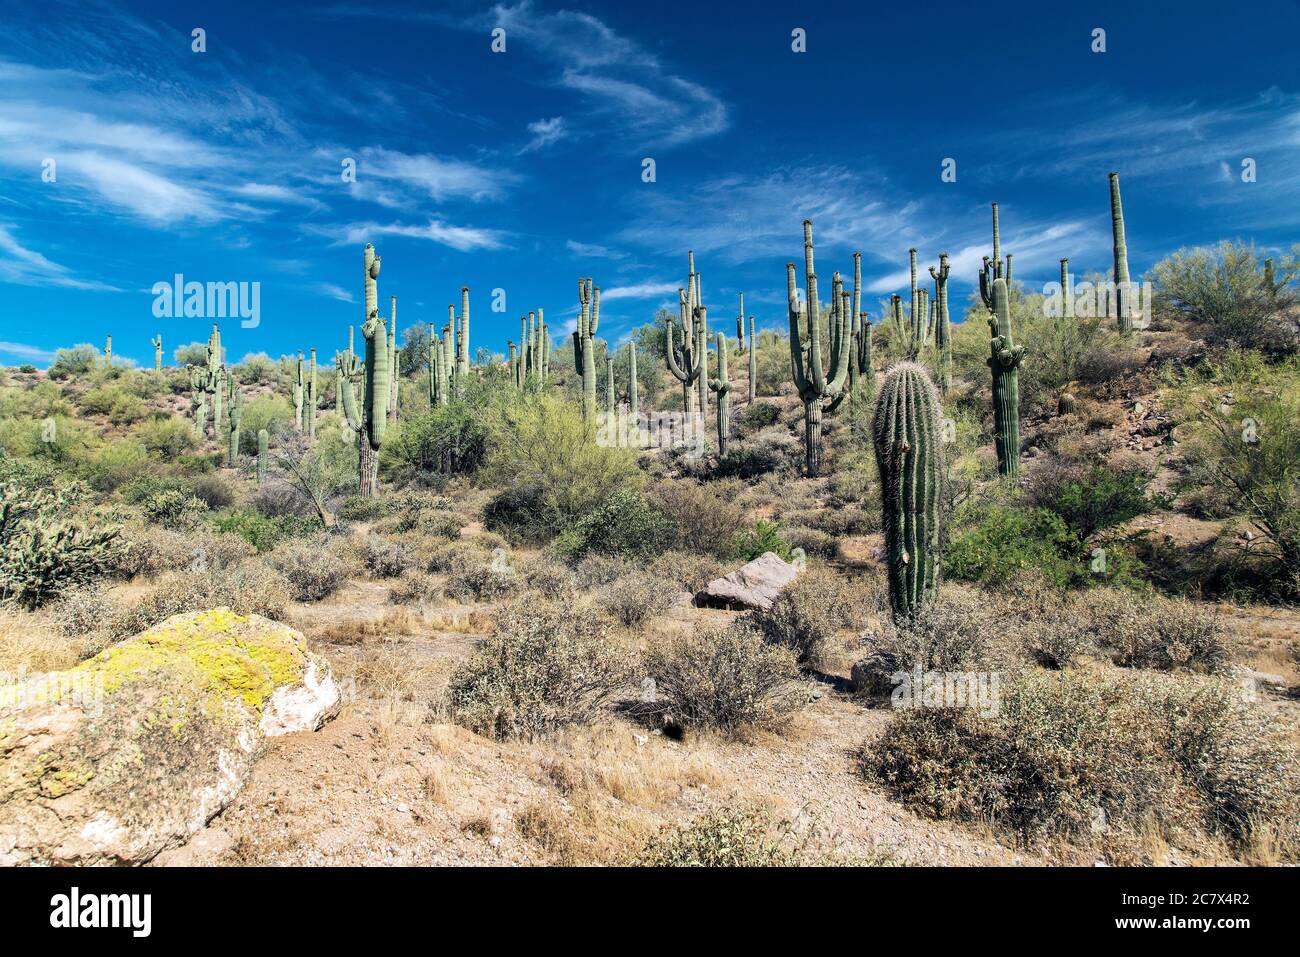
column 31, row 643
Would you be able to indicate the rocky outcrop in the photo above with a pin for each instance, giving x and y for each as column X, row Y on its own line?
column 752, row 586
column 136, row 749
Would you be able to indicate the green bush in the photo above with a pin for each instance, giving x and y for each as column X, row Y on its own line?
column 174, row 509
column 1090, row 499
column 114, row 464
column 261, row 531
column 1007, row 540
column 166, row 437
column 624, row 524
column 76, row 361
column 721, row 838
column 759, row 415
column 763, row 536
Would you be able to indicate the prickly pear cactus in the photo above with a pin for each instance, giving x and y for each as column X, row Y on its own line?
column 909, row 456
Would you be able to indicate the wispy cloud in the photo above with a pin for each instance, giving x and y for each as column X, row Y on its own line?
column 436, row 177
column 463, row 238
column 643, row 290
column 27, row 267
column 334, row 292
column 24, row 352
column 593, row 250
column 545, row 132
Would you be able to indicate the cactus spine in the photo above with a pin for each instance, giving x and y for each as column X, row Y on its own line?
column 942, row 326
column 262, row 438
column 1123, row 294
column 584, row 346
column 722, row 386
column 909, row 456
column 753, row 363
column 236, row 414
column 157, row 352
column 810, row 378
column 686, row 361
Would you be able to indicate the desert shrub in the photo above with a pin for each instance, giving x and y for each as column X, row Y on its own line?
column 726, row 837
column 596, row 570
column 552, row 475
column 261, row 531
column 484, row 580
column 811, row 541
column 173, row 509
column 311, row 568
column 552, row 578
column 151, row 550
column 114, row 464
column 166, row 437
column 761, row 537
column 77, row 361
column 82, row 610
column 1077, row 754
column 256, row 368
column 957, row 632
column 726, row 679
column 383, row 557
column 44, row 548
column 545, row 668
column 356, row 508
column 1090, row 499
column 808, row 613
column 1006, row 541
column 759, row 415
column 636, row 597
column 213, row 490
column 702, row 518
column 1149, row 631
column 446, row 438
column 688, row 571
column 1222, row 289
column 449, row 556
column 192, row 353
column 247, row 588
column 750, row 461
column 415, row 588
column 271, row 412
column 623, row 524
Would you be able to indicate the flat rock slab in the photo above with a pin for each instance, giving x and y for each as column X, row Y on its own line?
column 752, row 586
column 135, row 750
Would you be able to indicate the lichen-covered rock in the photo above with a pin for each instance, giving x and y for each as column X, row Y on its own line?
column 754, row 585
column 136, row 749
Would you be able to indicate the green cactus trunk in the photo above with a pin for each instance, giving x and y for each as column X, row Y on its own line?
column 462, row 343
column 685, row 361
column 262, row 438
column 394, row 360
column 236, row 414
column 584, row 346
column 298, row 390
column 1004, row 361
column 942, row 324
column 1123, row 295
column 611, row 406
column 374, row 403
column 722, row 386
column 753, row 363
column 909, row 457
column 633, row 403
column 108, row 351
column 313, row 400
column 157, row 352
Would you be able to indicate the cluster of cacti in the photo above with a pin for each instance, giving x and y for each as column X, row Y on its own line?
column 157, row 352
column 368, row 419
column 207, row 386
column 811, row 380
column 909, row 457
column 688, row 360
column 235, row 412
column 532, row 362
column 722, row 386
column 1123, row 292
column 1004, row 359
column 584, row 345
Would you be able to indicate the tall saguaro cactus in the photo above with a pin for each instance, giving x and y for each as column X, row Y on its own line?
column 1004, row 361
column 369, row 417
column 108, row 351
column 207, row 387
column 753, row 363
column 157, row 352
column 942, row 325
column 633, row 402
column 462, row 343
column 394, row 360
column 262, row 438
column 722, row 386
column 1123, row 294
column 810, row 377
column 236, row 415
column 686, row 361
column 740, row 326
column 584, row 346
column 909, row 457
column 313, row 399
column 299, row 391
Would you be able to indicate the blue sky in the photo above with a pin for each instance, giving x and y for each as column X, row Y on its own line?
column 522, row 170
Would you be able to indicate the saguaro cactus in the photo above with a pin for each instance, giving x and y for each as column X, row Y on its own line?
column 369, row 418
column 199, row 398
column 632, row 394
column 108, row 351
column 313, row 399
column 740, row 326
column 299, row 391
column 262, row 438
column 611, row 406
column 942, row 326
column 722, row 386
column 584, row 346
column 810, row 378
column 157, row 352
column 1067, row 293
column 236, row 415
column 207, row 387
column 686, row 361
column 1004, row 361
column 394, row 360
column 1123, row 294
column 909, row 456
column 462, row 343
column 753, row 363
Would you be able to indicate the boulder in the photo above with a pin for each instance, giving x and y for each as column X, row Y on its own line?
column 135, row 750
column 872, row 676
column 753, row 586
